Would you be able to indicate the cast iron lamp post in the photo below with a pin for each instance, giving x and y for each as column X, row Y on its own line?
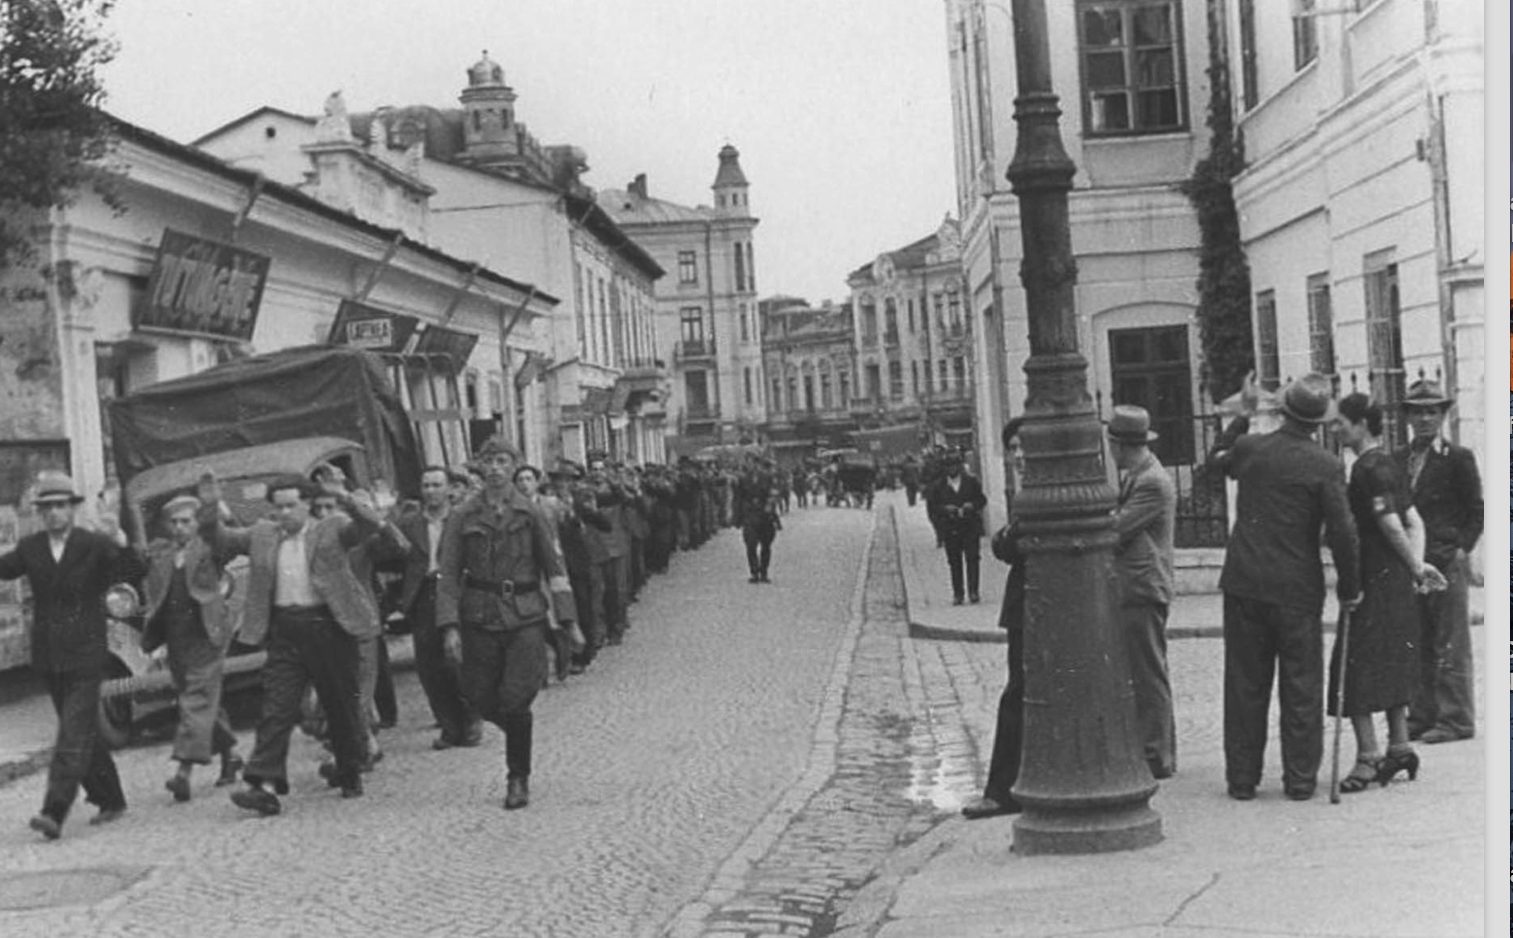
column 1084, row 783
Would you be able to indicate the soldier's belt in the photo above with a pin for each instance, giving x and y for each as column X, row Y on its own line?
column 502, row 587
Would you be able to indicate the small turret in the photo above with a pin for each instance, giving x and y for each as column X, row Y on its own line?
column 730, row 185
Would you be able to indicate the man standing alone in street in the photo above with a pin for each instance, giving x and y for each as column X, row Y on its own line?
column 955, row 503
column 69, row 569
column 1290, row 489
column 439, row 678
column 497, row 563
column 1145, row 520
column 1447, row 493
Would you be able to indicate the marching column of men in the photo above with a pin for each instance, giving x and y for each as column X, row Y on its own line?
column 487, row 579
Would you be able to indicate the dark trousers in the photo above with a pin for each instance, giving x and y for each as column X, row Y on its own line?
column 1145, row 636
column 580, row 578
column 911, row 492
column 1008, row 734
column 308, row 647
column 80, row 756
column 1263, row 640
column 196, row 664
column 501, row 673
column 963, row 551
column 759, row 539
column 1445, row 698
column 607, row 593
column 384, row 699
column 439, row 678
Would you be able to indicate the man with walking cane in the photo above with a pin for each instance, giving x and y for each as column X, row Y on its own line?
column 1290, row 492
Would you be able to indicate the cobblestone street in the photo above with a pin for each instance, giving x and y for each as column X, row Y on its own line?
column 739, row 766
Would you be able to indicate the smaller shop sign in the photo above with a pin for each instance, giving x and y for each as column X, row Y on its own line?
column 456, row 346
column 200, row 287
column 373, row 329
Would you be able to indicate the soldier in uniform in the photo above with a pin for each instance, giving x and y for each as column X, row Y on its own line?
column 757, row 507
column 498, row 563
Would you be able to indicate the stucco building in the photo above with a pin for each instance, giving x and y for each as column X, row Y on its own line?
column 913, row 339
column 590, row 378
column 707, row 303
column 1361, row 202
column 1132, row 82
column 809, row 357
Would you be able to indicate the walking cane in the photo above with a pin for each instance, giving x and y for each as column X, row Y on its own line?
column 1342, row 642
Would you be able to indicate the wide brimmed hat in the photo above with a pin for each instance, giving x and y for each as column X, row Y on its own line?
column 55, row 486
column 1426, row 393
column 1131, row 424
column 1309, row 399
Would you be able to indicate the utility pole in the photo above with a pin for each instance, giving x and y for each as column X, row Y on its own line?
column 1084, row 784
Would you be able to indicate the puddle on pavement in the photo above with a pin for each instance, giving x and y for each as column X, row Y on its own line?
column 49, row 889
column 941, row 780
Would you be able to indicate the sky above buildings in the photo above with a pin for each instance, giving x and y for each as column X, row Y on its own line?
column 840, row 108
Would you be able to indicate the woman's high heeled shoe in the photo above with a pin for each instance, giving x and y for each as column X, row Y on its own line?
column 1398, row 762
column 1361, row 775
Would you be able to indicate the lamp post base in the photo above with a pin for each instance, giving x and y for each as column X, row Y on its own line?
column 1106, row 830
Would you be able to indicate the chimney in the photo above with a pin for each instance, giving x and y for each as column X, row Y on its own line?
column 637, row 186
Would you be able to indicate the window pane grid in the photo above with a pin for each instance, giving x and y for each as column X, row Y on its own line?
column 1130, row 67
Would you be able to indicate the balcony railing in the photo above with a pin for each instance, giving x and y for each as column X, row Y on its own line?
column 692, row 349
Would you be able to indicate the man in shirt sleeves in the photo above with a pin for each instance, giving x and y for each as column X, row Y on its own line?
column 303, row 595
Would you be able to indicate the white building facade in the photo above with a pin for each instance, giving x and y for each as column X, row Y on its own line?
column 1361, row 203
column 706, row 303
column 1132, row 81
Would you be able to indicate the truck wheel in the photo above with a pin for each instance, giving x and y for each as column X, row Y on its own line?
column 116, row 717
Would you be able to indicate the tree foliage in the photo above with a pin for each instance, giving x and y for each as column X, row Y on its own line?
column 53, row 136
column 1224, row 326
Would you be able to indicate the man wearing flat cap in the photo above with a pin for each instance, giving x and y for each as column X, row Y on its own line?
column 69, row 570
column 186, row 613
column 1447, row 493
column 1291, row 493
column 1145, row 520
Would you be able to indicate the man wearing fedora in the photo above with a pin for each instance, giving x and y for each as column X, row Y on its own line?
column 69, row 570
column 1291, row 491
column 1447, row 493
column 1145, row 520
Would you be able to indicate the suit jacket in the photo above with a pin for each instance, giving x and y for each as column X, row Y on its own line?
column 1448, row 497
column 1290, row 491
column 68, row 596
column 203, row 576
column 327, row 542
column 956, row 513
column 1146, row 520
column 417, row 556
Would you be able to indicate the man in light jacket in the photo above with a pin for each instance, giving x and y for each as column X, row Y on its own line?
column 1145, row 520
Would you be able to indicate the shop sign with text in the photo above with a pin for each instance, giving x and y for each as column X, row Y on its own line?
column 373, row 329
column 201, row 287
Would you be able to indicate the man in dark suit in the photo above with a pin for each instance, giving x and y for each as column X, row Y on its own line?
column 955, row 504
column 1290, row 490
column 186, row 611
column 1008, row 735
column 439, row 678
column 69, row 570
column 1146, row 521
column 1447, row 493
column 757, row 511
column 304, row 596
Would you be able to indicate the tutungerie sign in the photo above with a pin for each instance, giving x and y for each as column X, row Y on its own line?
column 201, row 287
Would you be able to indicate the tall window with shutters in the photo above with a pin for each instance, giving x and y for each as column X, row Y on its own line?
column 1320, row 325
column 1268, row 356
column 1384, row 335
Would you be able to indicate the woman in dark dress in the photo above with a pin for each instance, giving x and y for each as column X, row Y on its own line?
column 1383, row 630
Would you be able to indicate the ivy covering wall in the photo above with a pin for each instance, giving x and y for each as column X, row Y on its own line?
column 1224, row 326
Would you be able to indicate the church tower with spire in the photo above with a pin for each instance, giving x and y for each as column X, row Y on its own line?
column 731, row 190
column 488, row 114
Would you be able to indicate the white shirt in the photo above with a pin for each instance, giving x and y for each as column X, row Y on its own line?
column 434, row 527
column 292, row 586
column 58, row 545
column 954, row 483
